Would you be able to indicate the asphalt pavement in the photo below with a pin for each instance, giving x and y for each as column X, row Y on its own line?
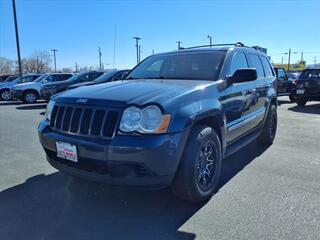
column 265, row 193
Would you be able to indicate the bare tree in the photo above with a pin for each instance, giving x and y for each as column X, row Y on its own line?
column 6, row 65
column 38, row 62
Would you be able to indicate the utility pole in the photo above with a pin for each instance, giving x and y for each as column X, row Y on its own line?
column 139, row 53
column 315, row 61
column 282, row 60
column 179, row 45
column 301, row 60
column 137, row 48
column 100, row 64
column 76, row 67
column 210, row 40
column 289, row 59
column 152, row 51
column 17, row 36
column 54, row 59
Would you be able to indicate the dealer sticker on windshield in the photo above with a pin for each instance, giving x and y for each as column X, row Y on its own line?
column 67, row 151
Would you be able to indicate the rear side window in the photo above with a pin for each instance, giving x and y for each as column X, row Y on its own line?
column 63, row 77
column 238, row 61
column 256, row 63
column 266, row 66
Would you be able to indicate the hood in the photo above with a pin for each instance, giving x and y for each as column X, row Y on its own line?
column 8, row 84
column 26, row 85
column 82, row 84
column 140, row 92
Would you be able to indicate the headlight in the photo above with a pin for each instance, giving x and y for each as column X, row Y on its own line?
column 49, row 109
column 147, row 120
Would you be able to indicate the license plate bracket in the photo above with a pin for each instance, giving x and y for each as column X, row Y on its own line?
column 67, row 151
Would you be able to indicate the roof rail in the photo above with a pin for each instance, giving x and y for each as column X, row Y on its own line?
column 238, row 44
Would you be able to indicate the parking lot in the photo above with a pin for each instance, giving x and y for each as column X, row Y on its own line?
column 278, row 187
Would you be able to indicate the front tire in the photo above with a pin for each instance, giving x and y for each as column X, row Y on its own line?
column 5, row 95
column 270, row 127
column 30, row 97
column 199, row 171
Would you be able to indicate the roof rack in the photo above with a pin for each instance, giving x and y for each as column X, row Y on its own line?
column 238, row 44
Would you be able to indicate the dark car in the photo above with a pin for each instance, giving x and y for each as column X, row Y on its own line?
column 171, row 122
column 107, row 77
column 54, row 88
column 308, row 86
column 5, row 76
column 286, row 86
column 6, row 87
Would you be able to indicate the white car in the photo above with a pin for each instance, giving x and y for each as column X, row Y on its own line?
column 30, row 92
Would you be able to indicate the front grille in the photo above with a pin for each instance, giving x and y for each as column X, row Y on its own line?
column 84, row 120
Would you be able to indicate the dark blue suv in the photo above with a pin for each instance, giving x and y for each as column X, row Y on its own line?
column 171, row 122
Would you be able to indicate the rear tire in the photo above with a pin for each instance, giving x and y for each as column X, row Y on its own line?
column 301, row 102
column 270, row 127
column 199, row 171
column 30, row 97
column 292, row 98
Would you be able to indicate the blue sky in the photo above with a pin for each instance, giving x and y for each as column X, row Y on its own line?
column 78, row 28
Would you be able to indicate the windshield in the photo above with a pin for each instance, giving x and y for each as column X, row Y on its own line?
column 10, row 79
column 181, row 65
column 42, row 77
column 78, row 77
column 312, row 73
column 105, row 77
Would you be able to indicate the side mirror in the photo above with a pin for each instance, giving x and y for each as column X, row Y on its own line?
column 243, row 75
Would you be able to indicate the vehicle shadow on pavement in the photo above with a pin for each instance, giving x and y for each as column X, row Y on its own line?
column 281, row 102
column 311, row 109
column 56, row 206
column 8, row 103
column 32, row 107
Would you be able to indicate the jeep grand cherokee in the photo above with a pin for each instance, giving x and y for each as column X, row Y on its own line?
column 171, row 122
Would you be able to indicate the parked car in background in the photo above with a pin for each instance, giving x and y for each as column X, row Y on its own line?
column 293, row 76
column 5, row 76
column 107, row 77
column 56, row 87
column 308, row 86
column 30, row 92
column 286, row 86
column 6, row 87
column 171, row 122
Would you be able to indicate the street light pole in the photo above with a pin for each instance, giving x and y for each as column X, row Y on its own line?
column 54, row 59
column 210, row 40
column 179, row 45
column 289, row 59
column 137, row 47
column 100, row 54
column 17, row 36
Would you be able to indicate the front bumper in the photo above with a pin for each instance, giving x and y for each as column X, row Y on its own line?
column 47, row 93
column 124, row 160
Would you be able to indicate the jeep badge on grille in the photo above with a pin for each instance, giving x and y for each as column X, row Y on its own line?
column 82, row 100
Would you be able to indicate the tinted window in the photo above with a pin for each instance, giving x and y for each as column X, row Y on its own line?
column 239, row 61
column 118, row 76
column 105, row 77
column 182, row 65
column 312, row 73
column 63, row 77
column 266, row 66
column 256, row 63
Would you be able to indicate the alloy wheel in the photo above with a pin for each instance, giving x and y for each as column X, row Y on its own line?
column 205, row 168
